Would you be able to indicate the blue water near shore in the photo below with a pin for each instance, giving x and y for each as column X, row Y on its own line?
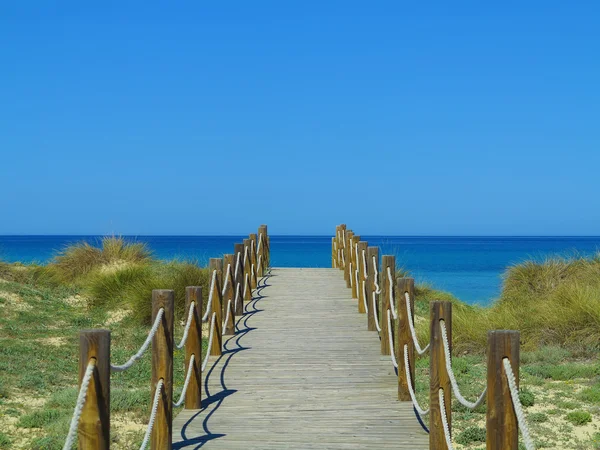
column 469, row 267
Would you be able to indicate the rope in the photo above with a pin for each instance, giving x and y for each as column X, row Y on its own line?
column 445, row 421
column 144, row 346
column 85, row 382
column 259, row 265
column 453, row 382
column 514, row 395
column 411, row 325
column 227, row 280
column 245, row 255
column 364, row 264
column 392, row 303
column 237, row 265
column 391, row 340
column 227, row 316
column 413, row 397
column 237, row 296
column 186, row 383
column 159, row 387
column 343, row 258
column 365, row 302
column 246, row 283
column 356, row 280
column 210, row 339
column 210, row 296
column 375, row 277
column 375, row 314
column 259, row 243
column 186, row 330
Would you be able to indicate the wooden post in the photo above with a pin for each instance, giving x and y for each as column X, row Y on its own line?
column 247, row 285
column 162, row 368
column 341, row 246
column 254, row 262
column 384, row 300
column 348, row 252
column 94, row 424
column 338, row 231
column 355, row 283
column 217, row 306
column 404, row 286
column 238, row 251
column 262, row 234
column 362, row 246
column 372, row 252
column 333, row 253
column 193, row 346
column 229, row 289
column 438, row 376
column 501, row 423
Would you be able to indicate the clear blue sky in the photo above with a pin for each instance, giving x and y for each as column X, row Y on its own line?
column 452, row 118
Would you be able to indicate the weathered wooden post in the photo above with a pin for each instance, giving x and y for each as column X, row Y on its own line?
column 502, row 431
column 362, row 268
column 193, row 346
column 387, row 262
column 262, row 235
column 333, row 253
column 217, row 306
column 94, row 424
column 338, row 259
column 348, row 252
column 355, row 279
column 439, row 379
column 229, row 294
column 247, row 271
column 162, row 368
column 253, row 262
column 372, row 263
column 405, row 286
column 238, row 250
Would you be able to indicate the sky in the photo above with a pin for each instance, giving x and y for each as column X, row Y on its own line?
column 396, row 118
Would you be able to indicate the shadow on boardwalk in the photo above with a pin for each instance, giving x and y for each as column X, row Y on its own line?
column 213, row 401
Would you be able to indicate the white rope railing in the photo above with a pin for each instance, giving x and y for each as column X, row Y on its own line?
column 413, row 397
column 445, row 420
column 246, row 257
column 375, row 313
column 210, row 339
column 85, row 383
column 259, row 265
column 227, row 316
column 411, row 325
column 188, row 375
column 453, row 382
column 391, row 293
column 237, row 265
column 237, row 296
column 356, row 280
column 351, row 272
column 391, row 341
column 514, row 395
column 210, row 296
column 376, row 277
column 364, row 296
column 188, row 323
column 227, row 280
column 246, row 284
column 159, row 387
column 364, row 265
column 144, row 347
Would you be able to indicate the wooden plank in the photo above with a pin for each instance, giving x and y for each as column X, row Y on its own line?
column 302, row 372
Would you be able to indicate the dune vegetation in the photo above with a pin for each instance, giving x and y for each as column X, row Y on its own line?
column 555, row 305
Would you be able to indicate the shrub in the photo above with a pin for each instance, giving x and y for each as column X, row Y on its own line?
column 591, row 394
column 80, row 259
column 526, row 397
column 537, row 417
column 579, row 417
column 471, row 434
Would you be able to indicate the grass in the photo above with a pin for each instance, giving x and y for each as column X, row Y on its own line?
column 579, row 417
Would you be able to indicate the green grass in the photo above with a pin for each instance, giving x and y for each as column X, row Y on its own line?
column 5, row 441
column 579, row 417
column 470, row 435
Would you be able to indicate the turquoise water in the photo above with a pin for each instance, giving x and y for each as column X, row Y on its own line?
column 469, row 267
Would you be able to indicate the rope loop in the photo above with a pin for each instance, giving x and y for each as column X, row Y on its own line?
column 85, row 383
column 146, row 440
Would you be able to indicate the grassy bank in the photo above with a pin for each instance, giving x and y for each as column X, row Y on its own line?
column 42, row 310
column 555, row 305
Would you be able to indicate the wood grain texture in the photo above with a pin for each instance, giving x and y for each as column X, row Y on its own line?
column 384, row 301
column 404, row 286
column 253, row 260
column 239, row 249
column 162, row 368
column 501, row 420
column 362, row 247
column 229, row 289
column 372, row 252
column 355, row 241
column 439, row 378
column 267, row 254
column 94, row 424
column 302, row 372
column 217, row 306
column 348, row 252
column 247, row 269
column 193, row 346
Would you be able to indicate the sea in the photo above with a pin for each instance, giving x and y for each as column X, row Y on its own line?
column 471, row 268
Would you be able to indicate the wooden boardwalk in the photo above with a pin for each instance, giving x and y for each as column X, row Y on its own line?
column 302, row 372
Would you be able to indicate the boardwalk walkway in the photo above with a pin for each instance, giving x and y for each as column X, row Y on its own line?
column 302, row 372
